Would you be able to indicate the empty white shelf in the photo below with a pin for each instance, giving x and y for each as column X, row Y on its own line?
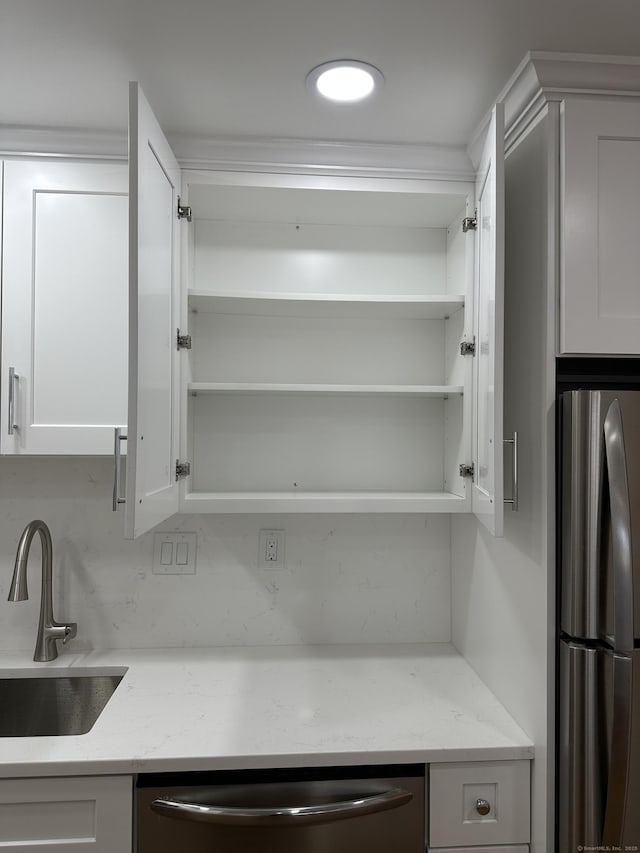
column 427, row 307
column 308, row 388
column 308, row 502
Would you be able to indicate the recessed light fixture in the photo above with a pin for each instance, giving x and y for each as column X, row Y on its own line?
column 345, row 80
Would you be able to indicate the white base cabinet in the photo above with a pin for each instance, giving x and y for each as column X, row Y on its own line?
column 95, row 813
column 483, row 805
column 88, row 814
column 64, row 307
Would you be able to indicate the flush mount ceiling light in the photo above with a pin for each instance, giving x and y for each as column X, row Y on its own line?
column 345, row 80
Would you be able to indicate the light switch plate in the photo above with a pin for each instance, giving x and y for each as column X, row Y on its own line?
column 174, row 553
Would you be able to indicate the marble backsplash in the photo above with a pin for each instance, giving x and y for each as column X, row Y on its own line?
column 347, row 579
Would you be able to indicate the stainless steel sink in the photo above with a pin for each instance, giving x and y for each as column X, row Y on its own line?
column 48, row 705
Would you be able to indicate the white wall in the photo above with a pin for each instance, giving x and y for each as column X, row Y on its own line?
column 348, row 579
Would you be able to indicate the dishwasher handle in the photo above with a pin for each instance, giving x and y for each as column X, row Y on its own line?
column 282, row 815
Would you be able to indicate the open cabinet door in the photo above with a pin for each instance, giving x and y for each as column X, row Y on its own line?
column 487, row 494
column 154, row 181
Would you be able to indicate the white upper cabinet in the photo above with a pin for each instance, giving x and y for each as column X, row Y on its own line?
column 326, row 316
column 64, row 307
column 488, row 486
column 600, row 256
column 154, row 278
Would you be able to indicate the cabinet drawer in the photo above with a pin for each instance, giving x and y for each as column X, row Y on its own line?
column 454, row 792
column 66, row 815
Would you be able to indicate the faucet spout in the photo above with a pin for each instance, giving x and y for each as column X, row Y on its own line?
column 49, row 631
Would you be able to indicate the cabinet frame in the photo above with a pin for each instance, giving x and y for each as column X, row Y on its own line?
column 336, row 501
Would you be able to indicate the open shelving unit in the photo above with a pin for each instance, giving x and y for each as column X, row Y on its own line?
column 325, row 373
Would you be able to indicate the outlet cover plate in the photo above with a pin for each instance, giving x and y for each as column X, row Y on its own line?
column 271, row 549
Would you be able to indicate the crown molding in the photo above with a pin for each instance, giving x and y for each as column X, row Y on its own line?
column 61, row 143
column 323, row 157
column 540, row 77
column 254, row 155
column 544, row 76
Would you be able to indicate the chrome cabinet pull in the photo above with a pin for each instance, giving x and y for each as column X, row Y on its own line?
column 299, row 815
column 13, row 379
column 119, row 438
column 483, row 807
column 513, row 500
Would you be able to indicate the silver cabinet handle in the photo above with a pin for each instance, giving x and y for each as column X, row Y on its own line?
column 12, row 426
column 282, row 815
column 119, row 438
column 483, row 807
column 513, row 500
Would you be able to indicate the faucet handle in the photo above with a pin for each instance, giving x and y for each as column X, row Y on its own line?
column 70, row 631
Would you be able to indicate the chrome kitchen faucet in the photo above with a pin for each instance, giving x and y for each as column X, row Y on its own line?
column 48, row 629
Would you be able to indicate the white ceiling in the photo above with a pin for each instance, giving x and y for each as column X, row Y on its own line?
column 236, row 68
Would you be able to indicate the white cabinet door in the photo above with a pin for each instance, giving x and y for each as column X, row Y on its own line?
column 91, row 814
column 154, row 280
column 487, row 493
column 64, row 307
column 600, row 260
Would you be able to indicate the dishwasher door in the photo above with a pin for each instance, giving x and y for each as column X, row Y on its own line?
column 343, row 815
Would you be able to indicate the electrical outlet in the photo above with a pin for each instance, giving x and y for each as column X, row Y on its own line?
column 271, row 549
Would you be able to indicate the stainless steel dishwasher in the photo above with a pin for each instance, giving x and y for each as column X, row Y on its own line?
column 311, row 810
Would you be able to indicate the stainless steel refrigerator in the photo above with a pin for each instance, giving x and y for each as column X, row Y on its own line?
column 599, row 650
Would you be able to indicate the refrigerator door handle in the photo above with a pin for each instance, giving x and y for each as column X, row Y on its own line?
column 581, row 771
column 618, row 777
column 620, row 529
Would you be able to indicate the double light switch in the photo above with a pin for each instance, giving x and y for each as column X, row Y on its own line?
column 174, row 553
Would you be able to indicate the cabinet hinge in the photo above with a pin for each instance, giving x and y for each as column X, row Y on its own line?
column 184, row 211
column 467, row 471
column 470, row 223
column 183, row 341
column 183, row 469
column 468, row 347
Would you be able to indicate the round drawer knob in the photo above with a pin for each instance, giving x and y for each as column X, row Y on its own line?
column 483, row 807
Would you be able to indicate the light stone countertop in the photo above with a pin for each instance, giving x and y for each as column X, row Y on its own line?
column 273, row 706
